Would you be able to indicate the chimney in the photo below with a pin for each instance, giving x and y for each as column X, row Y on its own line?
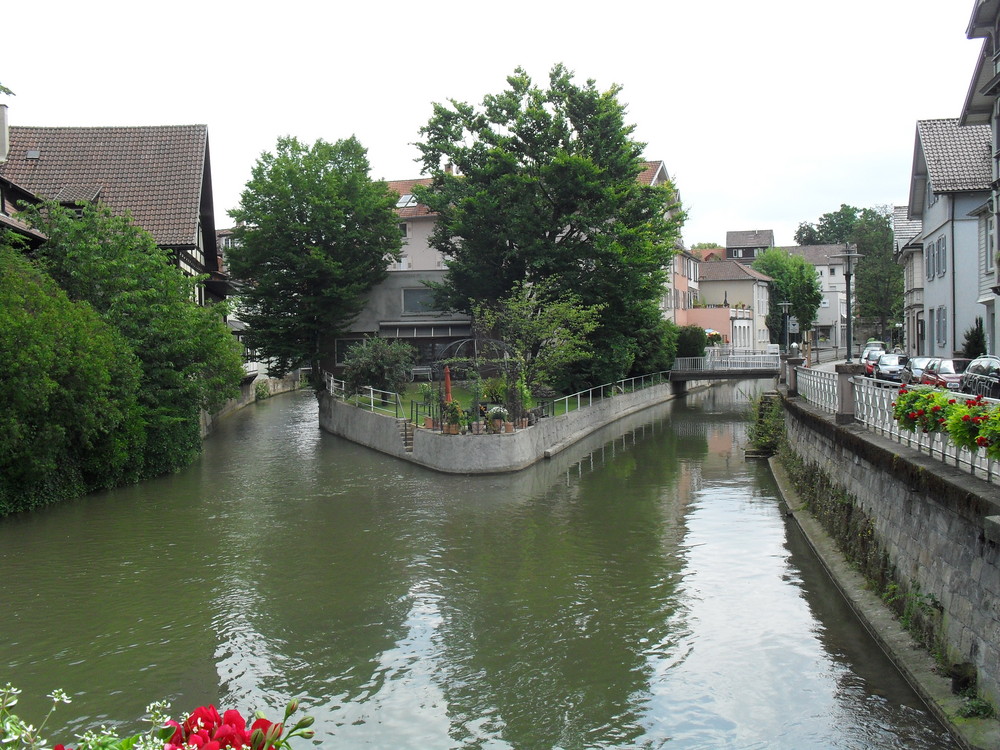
column 4, row 134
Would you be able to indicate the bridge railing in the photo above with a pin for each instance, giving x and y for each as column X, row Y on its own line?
column 724, row 361
column 373, row 399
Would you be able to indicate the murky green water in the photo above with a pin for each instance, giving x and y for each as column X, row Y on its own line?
column 640, row 590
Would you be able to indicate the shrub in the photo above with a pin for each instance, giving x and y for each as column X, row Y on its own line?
column 384, row 364
column 691, row 341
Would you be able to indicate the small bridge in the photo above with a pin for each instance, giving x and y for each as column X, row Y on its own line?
column 725, row 367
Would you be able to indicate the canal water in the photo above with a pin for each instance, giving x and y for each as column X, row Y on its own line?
column 643, row 589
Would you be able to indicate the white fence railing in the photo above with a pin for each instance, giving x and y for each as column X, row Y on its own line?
column 599, row 393
column 729, row 362
column 873, row 408
column 373, row 399
column 818, row 387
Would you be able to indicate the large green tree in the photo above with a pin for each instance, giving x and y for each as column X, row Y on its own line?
column 794, row 280
column 878, row 278
column 314, row 234
column 69, row 416
column 189, row 359
column 541, row 183
column 833, row 228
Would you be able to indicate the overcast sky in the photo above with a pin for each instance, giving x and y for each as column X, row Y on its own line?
column 766, row 113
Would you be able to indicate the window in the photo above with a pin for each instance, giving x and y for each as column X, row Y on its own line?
column 942, row 256
column 833, row 270
column 404, row 229
column 405, row 201
column 418, row 300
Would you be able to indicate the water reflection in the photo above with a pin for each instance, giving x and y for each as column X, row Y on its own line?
column 639, row 590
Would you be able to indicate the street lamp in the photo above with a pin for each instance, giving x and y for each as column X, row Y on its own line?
column 850, row 259
column 784, row 314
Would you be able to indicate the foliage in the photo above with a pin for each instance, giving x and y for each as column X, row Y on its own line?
column 657, row 347
column 878, row 278
column 261, row 390
column 381, row 363
column 767, row 423
column 975, row 340
column 544, row 332
column 5, row 90
column 314, row 233
column 494, row 390
column 189, row 359
column 963, row 421
column 923, row 409
column 498, row 412
column 203, row 728
column 691, row 341
column 451, row 412
column 541, row 183
column 833, row 228
column 706, row 246
column 794, row 281
column 69, row 414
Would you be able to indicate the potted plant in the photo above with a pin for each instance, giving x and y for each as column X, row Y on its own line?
column 496, row 416
column 451, row 414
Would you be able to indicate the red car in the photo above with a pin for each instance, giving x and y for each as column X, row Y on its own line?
column 944, row 373
column 870, row 358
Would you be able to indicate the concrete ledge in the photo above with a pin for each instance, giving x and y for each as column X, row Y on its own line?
column 484, row 454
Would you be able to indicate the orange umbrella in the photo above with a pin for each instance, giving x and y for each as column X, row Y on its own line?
column 447, row 384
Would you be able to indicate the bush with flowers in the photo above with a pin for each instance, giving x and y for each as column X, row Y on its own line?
column 204, row 728
column 922, row 409
column 965, row 422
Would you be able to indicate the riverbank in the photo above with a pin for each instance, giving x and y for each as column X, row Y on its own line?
column 913, row 661
column 486, row 454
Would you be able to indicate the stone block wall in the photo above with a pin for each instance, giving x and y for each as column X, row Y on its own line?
column 935, row 527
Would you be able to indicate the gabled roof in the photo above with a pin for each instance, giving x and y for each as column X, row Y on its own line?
column 653, row 173
column 728, row 270
column 404, row 188
column 752, row 238
column 155, row 173
column 904, row 229
column 953, row 158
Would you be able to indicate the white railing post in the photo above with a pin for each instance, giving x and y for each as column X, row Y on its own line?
column 845, row 391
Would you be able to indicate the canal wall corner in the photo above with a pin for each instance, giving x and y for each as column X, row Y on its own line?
column 248, row 395
column 920, row 537
column 483, row 454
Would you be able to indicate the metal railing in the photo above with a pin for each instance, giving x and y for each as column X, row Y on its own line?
column 373, row 399
column 597, row 394
column 729, row 362
column 818, row 387
column 873, row 408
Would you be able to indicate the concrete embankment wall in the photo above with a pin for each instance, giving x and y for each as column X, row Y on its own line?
column 483, row 454
column 932, row 532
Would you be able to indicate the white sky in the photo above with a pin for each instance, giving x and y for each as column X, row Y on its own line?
column 766, row 113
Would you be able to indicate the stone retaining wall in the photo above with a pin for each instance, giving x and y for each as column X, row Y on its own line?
column 483, row 454
column 248, row 395
column 936, row 527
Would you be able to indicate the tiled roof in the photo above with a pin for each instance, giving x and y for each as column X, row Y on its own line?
column 904, row 229
column 728, row 270
column 405, row 187
column 751, row 238
column 957, row 157
column 817, row 255
column 154, row 173
column 653, row 173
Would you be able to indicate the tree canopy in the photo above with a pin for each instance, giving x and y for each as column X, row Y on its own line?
column 541, row 184
column 833, row 228
column 878, row 278
column 314, row 234
column 794, row 281
column 188, row 357
column 69, row 414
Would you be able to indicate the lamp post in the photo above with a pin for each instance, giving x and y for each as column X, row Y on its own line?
column 784, row 315
column 850, row 260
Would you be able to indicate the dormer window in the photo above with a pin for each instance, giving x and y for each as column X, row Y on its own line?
column 406, row 201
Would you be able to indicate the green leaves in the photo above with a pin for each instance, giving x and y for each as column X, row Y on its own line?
column 795, row 281
column 541, row 184
column 314, row 234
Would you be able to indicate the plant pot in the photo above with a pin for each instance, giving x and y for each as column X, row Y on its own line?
column 477, row 428
column 496, row 424
column 428, row 423
column 452, row 429
column 522, row 423
column 508, row 426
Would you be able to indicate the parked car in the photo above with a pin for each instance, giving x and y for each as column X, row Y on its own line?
column 982, row 377
column 944, row 372
column 913, row 369
column 869, row 358
column 889, row 366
